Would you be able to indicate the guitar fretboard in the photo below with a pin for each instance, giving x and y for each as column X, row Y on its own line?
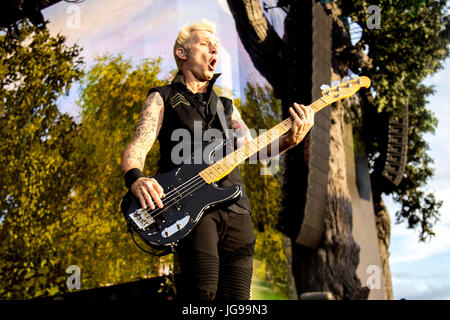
column 224, row 166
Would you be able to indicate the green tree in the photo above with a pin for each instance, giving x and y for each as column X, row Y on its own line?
column 262, row 184
column 37, row 169
column 113, row 93
column 411, row 44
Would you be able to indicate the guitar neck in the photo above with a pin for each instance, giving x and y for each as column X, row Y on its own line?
column 224, row 166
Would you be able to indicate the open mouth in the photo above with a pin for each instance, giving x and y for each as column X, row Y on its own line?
column 212, row 64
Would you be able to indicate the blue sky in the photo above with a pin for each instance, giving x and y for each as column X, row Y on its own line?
column 419, row 270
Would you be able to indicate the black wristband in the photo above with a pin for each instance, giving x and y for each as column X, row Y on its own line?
column 131, row 176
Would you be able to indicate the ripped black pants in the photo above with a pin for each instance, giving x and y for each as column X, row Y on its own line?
column 216, row 258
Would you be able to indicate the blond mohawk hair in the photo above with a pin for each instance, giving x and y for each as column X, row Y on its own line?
column 185, row 33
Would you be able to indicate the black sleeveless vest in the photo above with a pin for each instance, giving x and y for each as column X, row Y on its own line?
column 183, row 108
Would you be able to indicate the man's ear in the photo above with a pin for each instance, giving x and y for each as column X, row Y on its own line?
column 181, row 53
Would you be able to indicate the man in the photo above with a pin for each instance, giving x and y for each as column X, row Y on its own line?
column 216, row 258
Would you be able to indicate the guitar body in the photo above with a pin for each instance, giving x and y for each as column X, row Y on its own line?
column 188, row 197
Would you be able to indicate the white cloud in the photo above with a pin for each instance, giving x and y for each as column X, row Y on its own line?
column 414, row 288
column 405, row 246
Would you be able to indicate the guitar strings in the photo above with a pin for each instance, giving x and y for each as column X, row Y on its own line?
column 178, row 189
column 184, row 183
column 191, row 183
column 196, row 185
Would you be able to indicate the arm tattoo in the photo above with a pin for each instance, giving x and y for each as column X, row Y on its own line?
column 146, row 133
column 240, row 128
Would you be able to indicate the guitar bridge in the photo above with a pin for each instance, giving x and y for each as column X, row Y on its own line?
column 142, row 218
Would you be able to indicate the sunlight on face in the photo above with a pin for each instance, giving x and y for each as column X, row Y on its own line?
column 202, row 54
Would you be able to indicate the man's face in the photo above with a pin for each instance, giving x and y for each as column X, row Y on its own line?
column 202, row 55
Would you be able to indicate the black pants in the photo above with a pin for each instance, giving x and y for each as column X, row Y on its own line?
column 216, row 258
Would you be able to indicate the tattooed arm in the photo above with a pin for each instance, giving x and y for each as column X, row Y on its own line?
column 240, row 129
column 147, row 130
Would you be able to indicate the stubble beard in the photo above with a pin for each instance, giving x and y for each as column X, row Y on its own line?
column 202, row 75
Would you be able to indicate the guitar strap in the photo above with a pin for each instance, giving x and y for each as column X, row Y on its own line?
column 223, row 121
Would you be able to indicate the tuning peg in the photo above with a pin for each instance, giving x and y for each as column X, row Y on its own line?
column 354, row 76
column 335, row 83
column 345, row 79
column 324, row 87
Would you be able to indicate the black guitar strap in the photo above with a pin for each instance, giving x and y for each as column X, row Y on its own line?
column 223, row 121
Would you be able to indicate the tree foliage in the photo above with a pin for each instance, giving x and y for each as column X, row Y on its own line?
column 36, row 163
column 112, row 96
column 262, row 183
column 61, row 181
column 411, row 44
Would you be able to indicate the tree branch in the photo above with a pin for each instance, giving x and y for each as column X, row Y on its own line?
column 259, row 39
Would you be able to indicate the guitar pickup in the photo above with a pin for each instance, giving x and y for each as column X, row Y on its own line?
column 174, row 228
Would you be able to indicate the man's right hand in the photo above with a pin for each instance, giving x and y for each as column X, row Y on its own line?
column 148, row 190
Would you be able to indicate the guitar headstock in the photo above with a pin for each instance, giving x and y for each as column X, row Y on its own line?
column 343, row 90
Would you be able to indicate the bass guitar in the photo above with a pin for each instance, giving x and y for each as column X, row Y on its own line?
column 191, row 189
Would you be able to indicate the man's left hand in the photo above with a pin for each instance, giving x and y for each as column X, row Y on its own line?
column 303, row 122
